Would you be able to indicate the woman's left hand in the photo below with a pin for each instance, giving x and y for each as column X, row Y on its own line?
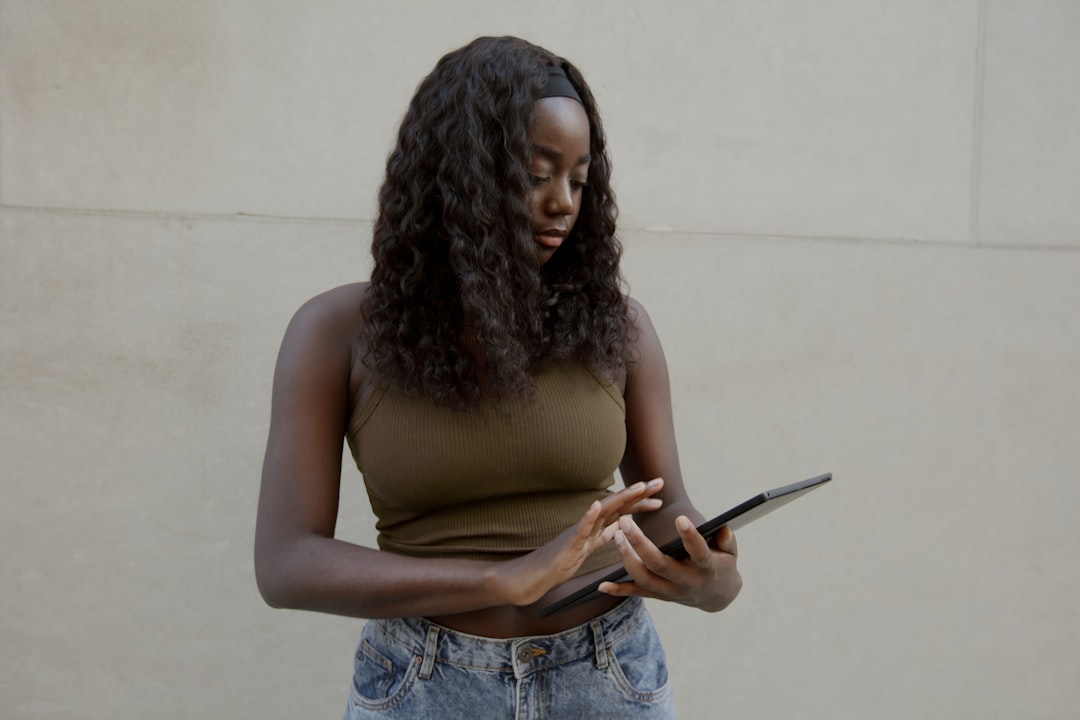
column 707, row 579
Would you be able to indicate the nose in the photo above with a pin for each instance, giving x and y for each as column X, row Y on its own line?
column 560, row 201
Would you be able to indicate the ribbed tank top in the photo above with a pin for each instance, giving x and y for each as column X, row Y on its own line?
column 493, row 485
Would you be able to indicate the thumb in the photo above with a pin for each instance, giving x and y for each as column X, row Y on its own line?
column 725, row 541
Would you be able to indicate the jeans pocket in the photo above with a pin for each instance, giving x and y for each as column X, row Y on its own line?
column 638, row 664
column 383, row 672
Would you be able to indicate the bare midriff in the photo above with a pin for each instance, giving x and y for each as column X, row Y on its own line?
column 508, row 621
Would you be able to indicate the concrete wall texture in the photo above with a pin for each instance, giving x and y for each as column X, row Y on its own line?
column 854, row 222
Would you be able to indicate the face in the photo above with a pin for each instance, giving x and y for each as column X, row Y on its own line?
column 558, row 170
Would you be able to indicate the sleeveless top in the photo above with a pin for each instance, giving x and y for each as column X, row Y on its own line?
column 496, row 484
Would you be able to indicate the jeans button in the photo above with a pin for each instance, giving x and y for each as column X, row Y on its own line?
column 530, row 652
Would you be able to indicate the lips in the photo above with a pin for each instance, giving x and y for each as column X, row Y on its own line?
column 551, row 237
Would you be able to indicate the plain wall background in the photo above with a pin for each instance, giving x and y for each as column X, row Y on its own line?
column 854, row 222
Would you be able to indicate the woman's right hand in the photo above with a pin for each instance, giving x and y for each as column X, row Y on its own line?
column 526, row 579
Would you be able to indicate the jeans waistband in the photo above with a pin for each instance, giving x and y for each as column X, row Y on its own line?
column 521, row 656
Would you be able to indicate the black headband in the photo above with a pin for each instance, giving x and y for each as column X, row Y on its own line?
column 559, row 85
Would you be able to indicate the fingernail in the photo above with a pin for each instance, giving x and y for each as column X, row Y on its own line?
column 619, row 537
column 683, row 523
column 654, row 482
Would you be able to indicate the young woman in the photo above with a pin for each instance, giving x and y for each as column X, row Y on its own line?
column 489, row 380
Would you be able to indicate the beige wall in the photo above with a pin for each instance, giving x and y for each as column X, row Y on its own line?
column 855, row 223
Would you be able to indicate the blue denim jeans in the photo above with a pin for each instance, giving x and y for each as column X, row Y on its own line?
column 610, row 667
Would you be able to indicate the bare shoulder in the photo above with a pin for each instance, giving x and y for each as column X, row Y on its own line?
column 333, row 308
column 322, row 335
column 643, row 344
column 636, row 312
column 645, row 340
column 329, row 318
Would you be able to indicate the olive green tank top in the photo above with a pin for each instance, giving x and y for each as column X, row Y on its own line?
column 493, row 485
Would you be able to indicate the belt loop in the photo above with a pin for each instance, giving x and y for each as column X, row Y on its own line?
column 429, row 652
column 599, row 644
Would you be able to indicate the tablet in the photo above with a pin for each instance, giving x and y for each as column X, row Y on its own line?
column 734, row 518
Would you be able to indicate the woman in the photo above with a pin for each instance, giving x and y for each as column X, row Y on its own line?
column 489, row 380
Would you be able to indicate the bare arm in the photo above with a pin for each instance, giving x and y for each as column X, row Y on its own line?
column 299, row 563
column 708, row 579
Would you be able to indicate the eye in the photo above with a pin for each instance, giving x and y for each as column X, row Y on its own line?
column 535, row 180
column 579, row 184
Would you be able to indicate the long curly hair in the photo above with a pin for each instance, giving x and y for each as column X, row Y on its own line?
column 458, row 308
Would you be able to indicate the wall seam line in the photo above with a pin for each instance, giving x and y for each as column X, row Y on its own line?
column 180, row 215
column 651, row 233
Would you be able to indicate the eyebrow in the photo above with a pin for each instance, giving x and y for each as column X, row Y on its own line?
column 556, row 156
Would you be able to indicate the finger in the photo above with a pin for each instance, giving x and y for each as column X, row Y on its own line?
column 646, row 505
column 618, row 589
column 591, row 521
column 651, row 559
column 626, row 589
column 697, row 547
column 644, row 488
column 725, row 541
column 625, row 548
column 654, row 486
column 626, row 500
column 612, row 501
column 649, row 583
